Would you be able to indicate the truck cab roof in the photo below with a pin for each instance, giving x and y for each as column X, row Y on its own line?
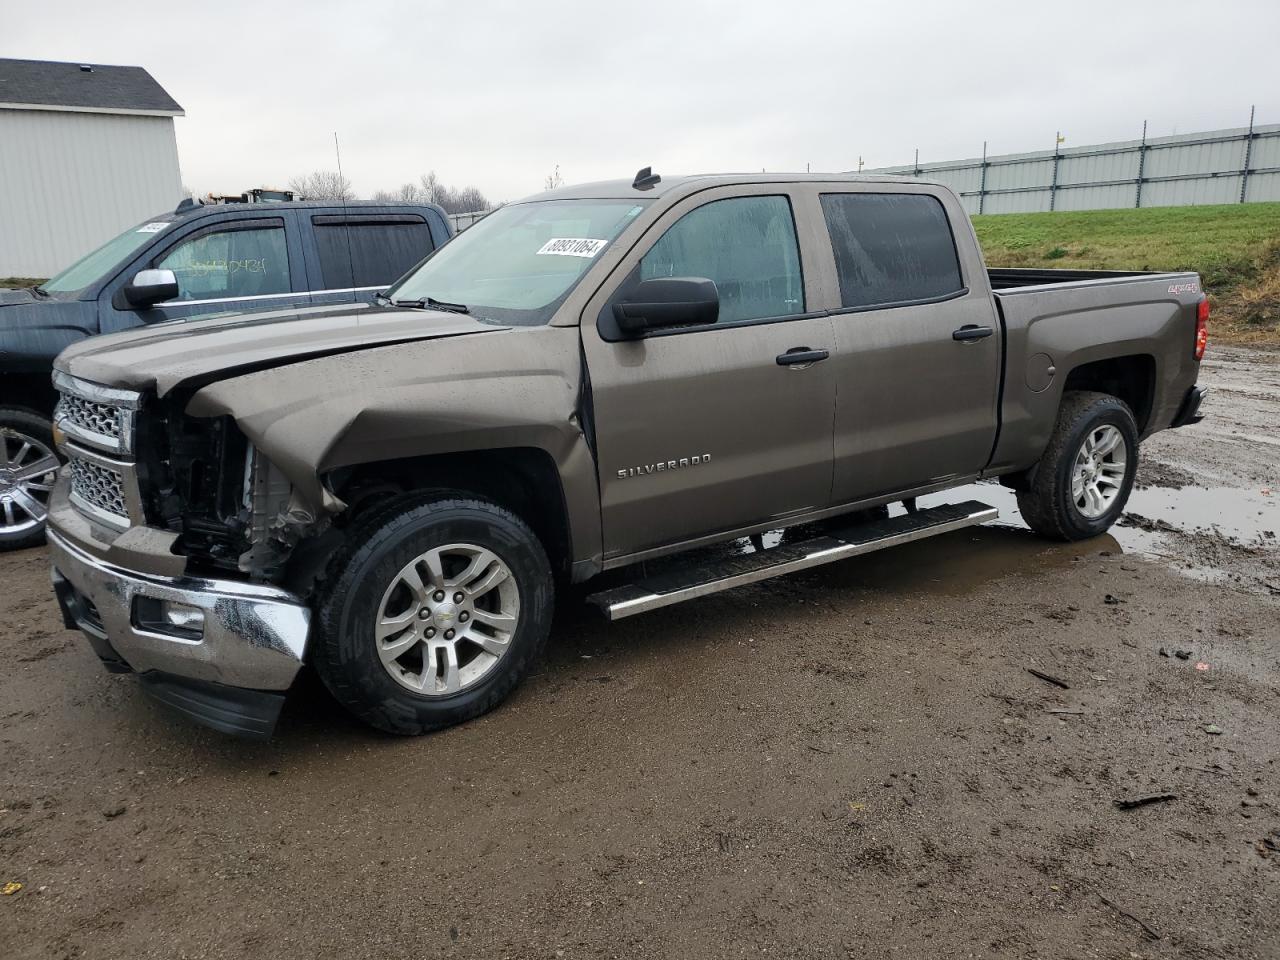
column 679, row 184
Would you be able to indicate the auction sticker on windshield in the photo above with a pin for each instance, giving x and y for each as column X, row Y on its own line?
column 153, row 227
column 572, row 247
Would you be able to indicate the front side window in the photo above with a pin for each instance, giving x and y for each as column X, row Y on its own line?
column 519, row 263
column 891, row 247
column 230, row 263
column 747, row 245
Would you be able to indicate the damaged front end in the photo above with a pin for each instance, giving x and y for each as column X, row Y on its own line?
column 234, row 511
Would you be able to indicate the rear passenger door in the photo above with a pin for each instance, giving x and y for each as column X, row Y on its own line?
column 358, row 254
column 916, row 406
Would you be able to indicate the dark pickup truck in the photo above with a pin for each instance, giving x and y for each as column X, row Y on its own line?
column 195, row 261
column 590, row 378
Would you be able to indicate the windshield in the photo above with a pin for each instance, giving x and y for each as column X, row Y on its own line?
column 90, row 268
column 519, row 263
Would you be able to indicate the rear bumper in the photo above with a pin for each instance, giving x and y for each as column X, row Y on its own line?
column 1189, row 412
column 228, row 670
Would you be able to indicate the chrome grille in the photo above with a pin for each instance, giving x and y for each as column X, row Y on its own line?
column 94, row 415
column 99, row 490
column 99, row 419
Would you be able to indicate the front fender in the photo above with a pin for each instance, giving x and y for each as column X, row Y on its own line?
column 514, row 388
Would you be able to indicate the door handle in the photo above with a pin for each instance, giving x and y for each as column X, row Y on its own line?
column 971, row 331
column 801, row 357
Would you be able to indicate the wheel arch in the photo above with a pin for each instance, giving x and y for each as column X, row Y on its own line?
column 1130, row 377
column 524, row 480
column 28, row 391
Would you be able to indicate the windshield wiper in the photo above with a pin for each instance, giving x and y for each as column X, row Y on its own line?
column 430, row 303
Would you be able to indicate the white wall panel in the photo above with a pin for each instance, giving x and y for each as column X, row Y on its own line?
column 71, row 181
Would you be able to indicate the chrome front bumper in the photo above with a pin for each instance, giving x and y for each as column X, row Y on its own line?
column 252, row 636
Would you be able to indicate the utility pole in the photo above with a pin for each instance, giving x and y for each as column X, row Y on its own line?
column 1248, row 155
column 982, row 187
column 1053, row 186
column 1142, row 165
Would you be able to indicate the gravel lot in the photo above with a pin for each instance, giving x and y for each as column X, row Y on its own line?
column 851, row 762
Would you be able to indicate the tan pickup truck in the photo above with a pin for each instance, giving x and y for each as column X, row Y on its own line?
column 587, row 379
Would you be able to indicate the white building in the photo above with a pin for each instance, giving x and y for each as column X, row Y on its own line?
column 85, row 151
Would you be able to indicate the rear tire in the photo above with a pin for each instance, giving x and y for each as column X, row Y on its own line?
column 432, row 613
column 26, row 443
column 1085, row 476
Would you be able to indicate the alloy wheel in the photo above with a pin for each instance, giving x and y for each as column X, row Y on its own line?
column 1097, row 475
column 28, row 470
column 446, row 619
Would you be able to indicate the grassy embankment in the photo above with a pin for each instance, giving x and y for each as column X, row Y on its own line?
column 20, row 281
column 1235, row 249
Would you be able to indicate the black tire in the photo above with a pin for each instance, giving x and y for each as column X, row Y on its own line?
column 343, row 648
column 31, row 425
column 1047, row 505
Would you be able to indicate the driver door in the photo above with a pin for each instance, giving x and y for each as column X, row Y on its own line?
column 707, row 429
column 228, row 266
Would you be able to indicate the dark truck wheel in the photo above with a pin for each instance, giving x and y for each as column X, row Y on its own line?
column 28, row 468
column 432, row 613
column 1085, row 476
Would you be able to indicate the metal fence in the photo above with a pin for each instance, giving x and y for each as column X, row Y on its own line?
column 461, row 221
column 1220, row 166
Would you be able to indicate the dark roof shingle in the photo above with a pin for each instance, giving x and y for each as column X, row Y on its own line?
column 56, row 85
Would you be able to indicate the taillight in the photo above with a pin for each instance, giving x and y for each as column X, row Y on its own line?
column 1202, row 328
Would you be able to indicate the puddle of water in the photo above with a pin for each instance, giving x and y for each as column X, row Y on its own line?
column 1247, row 517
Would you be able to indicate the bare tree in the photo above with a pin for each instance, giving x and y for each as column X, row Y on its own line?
column 322, row 185
column 429, row 189
column 553, row 179
column 405, row 193
column 432, row 188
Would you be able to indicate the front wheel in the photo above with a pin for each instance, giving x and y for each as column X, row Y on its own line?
column 28, row 468
column 433, row 613
column 1086, row 474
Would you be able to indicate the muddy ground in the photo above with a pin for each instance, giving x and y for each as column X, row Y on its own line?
column 852, row 762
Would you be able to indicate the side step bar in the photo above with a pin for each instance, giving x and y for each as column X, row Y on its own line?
column 698, row 580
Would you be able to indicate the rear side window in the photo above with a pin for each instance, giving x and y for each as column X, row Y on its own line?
column 381, row 249
column 747, row 245
column 891, row 247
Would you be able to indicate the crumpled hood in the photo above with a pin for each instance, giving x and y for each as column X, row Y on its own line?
column 204, row 351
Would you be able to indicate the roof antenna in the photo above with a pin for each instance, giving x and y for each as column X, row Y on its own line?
column 645, row 179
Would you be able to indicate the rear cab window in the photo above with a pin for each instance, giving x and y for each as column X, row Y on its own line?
column 369, row 250
column 891, row 249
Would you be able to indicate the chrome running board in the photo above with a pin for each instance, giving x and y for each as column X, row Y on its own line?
column 700, row 579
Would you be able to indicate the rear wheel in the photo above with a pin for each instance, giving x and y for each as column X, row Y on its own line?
column 433, row 613
column 1086, row 474
column 28, row 468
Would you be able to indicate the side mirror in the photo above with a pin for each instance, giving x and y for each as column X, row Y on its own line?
column 668, row 302
column 149, row 287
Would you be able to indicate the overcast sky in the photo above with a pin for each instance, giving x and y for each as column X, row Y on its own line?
column 497, row 94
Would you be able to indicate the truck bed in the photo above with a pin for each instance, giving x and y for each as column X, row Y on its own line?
column 1008, row 278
